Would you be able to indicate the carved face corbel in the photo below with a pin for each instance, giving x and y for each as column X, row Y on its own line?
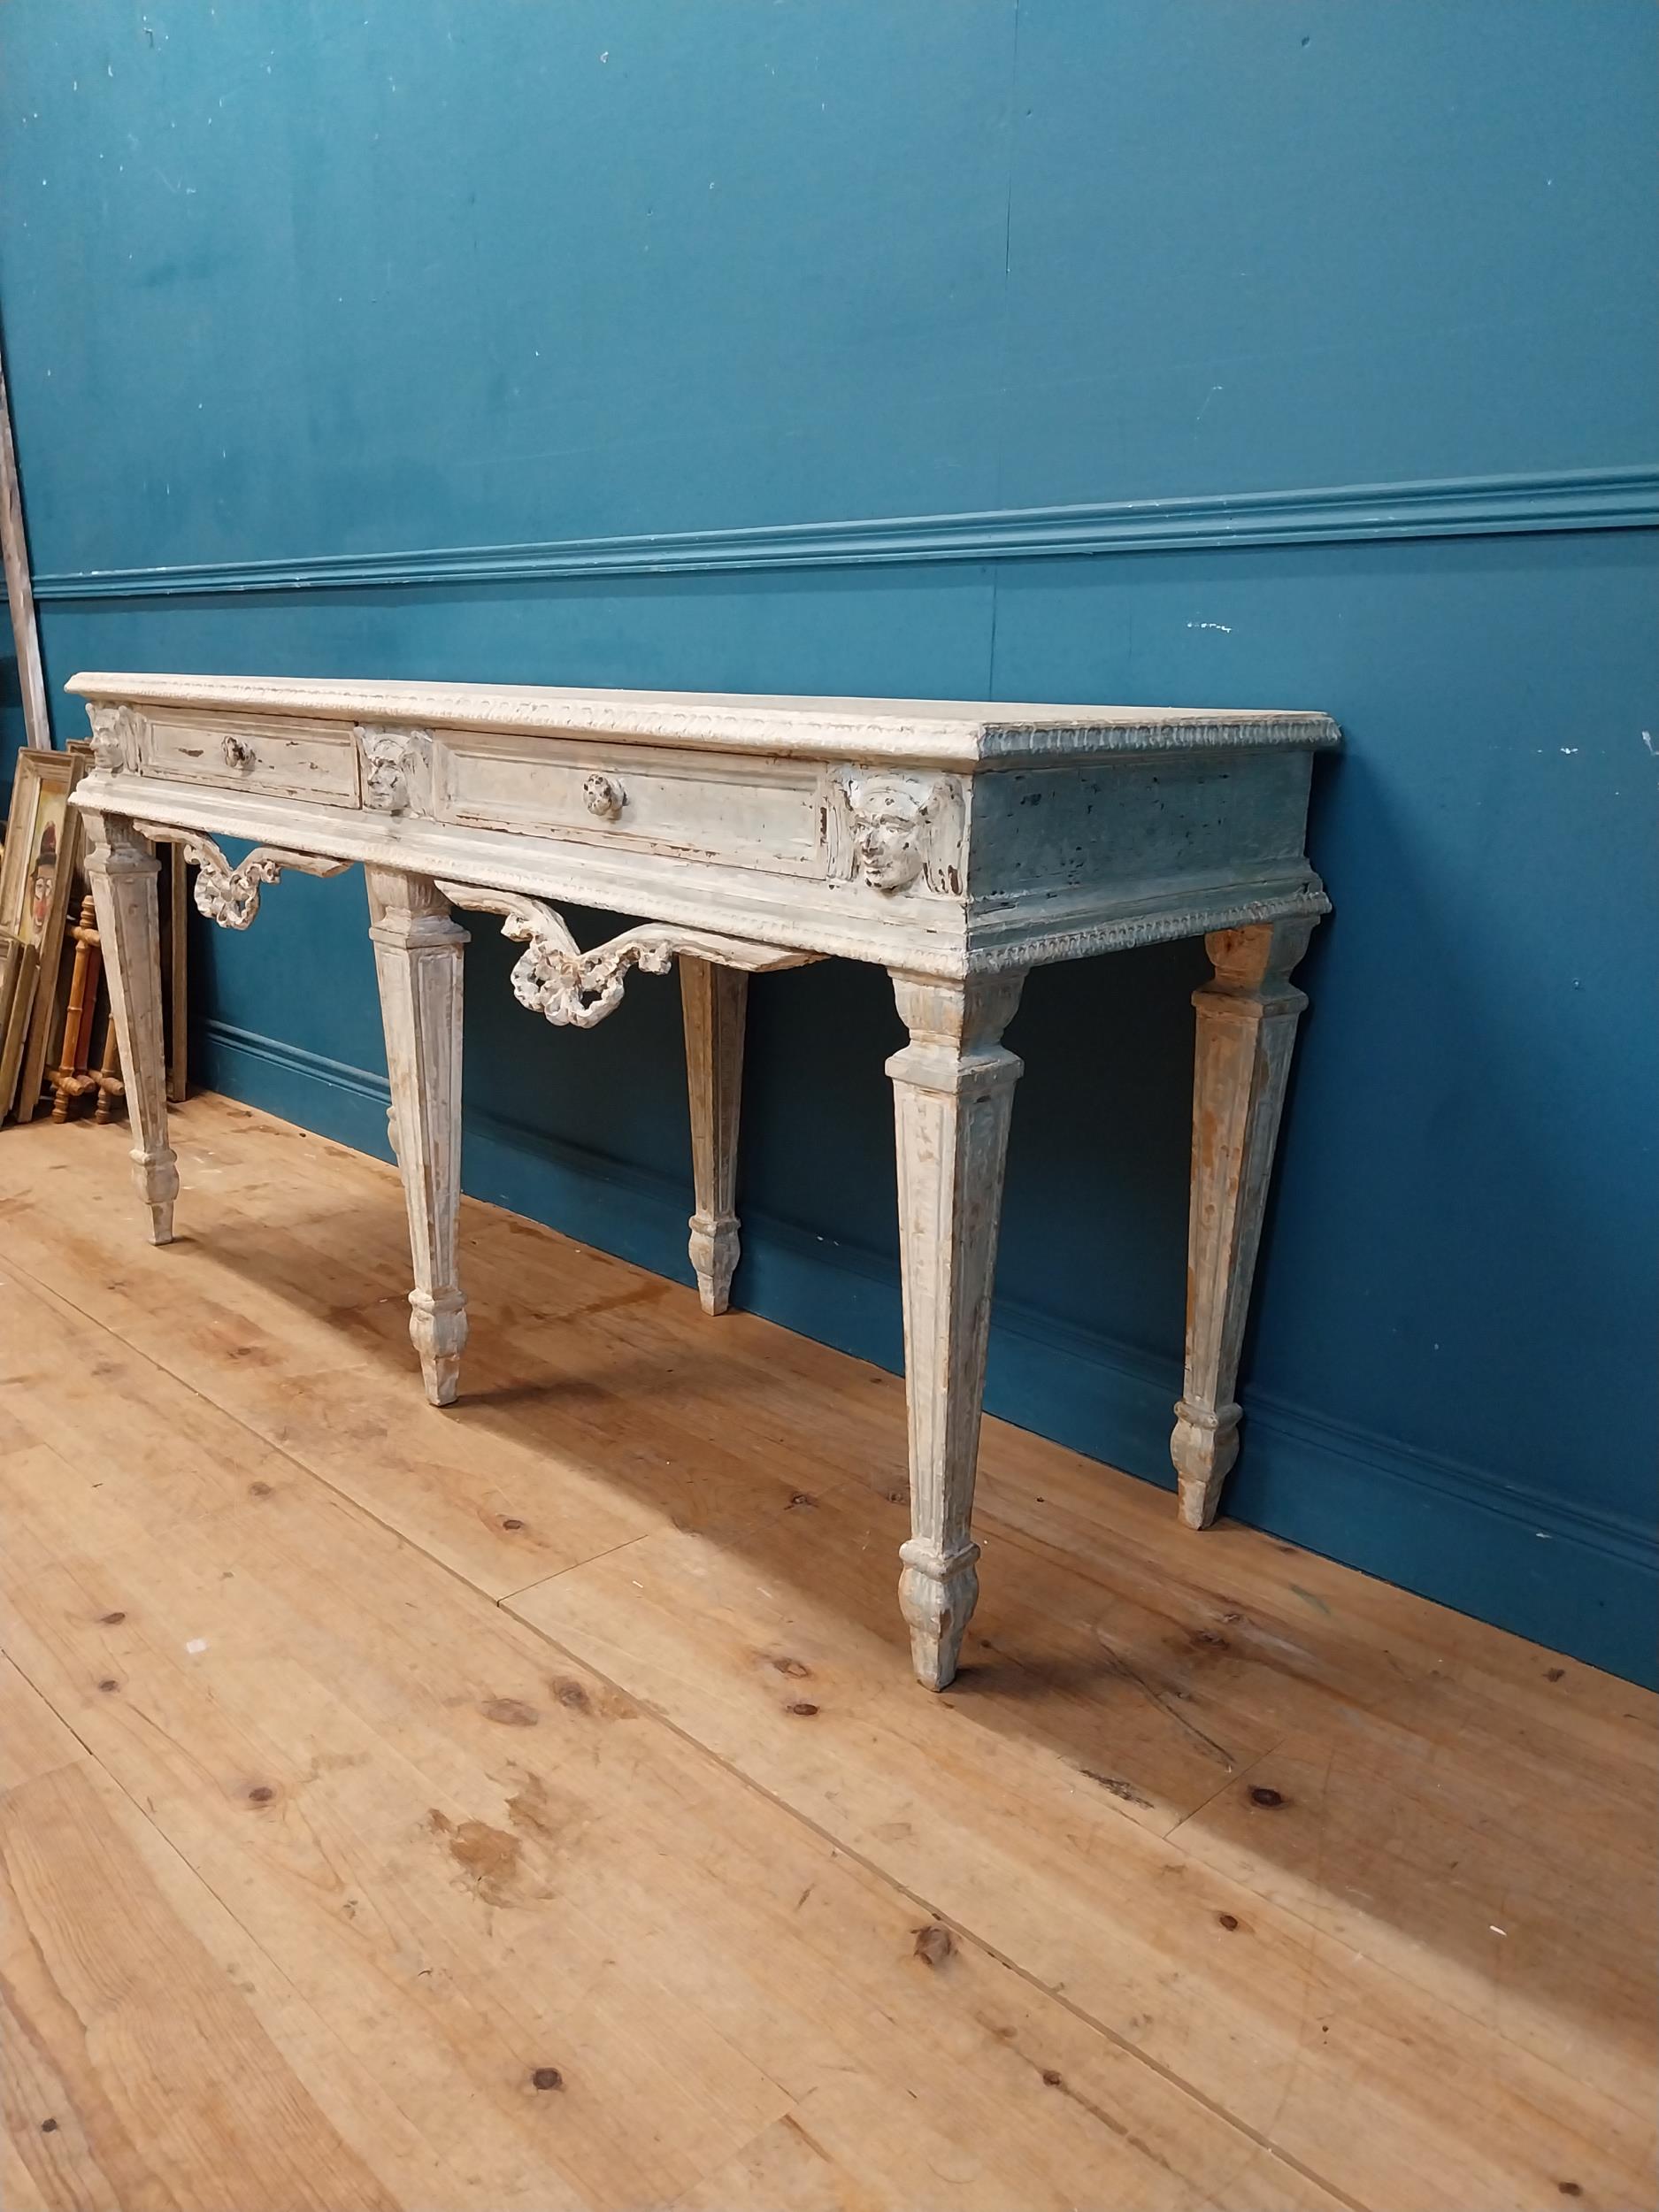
column 894, row 830
column 889, row 839
column 114, row 736
column 395, row 766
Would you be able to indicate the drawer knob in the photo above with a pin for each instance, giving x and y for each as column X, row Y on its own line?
column 604, row 796
column 237, row 755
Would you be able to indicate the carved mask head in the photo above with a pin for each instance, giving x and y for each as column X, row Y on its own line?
column 385, row 786
column 892, row 826
column 109, row 736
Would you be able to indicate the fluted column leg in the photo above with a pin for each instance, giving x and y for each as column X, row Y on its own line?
column 417, row 958
column 1247, row 1029
column 715, row 1000
column 953, row 1088
column 122, row 869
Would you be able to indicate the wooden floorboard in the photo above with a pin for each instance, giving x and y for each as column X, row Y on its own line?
column 528, row 1805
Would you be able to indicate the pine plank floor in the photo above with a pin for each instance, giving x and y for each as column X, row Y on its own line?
column 527, row 1805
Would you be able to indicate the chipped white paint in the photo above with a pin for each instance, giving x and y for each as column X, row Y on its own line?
column 418, row 948
column 956, row 845
column 953, row 1088
column 715, row 1000
column 122, row 871
column 1247, row 1026
column 929, row 733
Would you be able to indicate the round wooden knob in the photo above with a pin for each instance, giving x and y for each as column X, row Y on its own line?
column 604, row 796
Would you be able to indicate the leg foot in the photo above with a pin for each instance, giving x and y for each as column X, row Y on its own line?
column 1203, row 1448
column 953, row 1088
column 937, row 1594
column 715, row 1000
column 437, row 1329
column 417, row 958
column 1247, row 1028
column 158, row 1181
column 714, row 1247
column 122, row 871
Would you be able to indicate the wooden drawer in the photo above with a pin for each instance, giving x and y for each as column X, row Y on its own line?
column 282, row 756
column 632, row 798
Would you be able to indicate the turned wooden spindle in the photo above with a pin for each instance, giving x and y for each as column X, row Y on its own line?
column 110, row 1087
column 70, row 1078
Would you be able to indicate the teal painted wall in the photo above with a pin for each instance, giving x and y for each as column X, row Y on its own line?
column 297, row 285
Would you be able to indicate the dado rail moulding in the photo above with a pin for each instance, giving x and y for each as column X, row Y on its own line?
column 1475, row 506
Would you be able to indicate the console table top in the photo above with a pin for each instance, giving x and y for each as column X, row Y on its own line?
column 964, row 734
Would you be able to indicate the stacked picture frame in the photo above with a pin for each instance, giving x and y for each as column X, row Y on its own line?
column 37, row 876
column 43, row 948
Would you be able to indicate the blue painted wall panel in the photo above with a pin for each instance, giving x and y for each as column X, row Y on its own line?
column 1315, row 243
column 431, row 276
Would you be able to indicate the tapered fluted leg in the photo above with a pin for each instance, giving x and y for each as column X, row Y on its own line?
column 122, row 869
column 715, row 1000
column 418, row 957
column 953, row 1088
column 1247, row 1029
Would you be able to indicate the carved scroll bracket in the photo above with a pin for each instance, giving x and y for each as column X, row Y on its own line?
column 575, row 989
column 893, row 830
column 230, row 896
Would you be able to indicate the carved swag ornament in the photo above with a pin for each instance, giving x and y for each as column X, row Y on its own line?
column 226, row 894
column 575, row 989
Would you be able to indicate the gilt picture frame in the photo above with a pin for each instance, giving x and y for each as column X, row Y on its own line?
column 37, row 876
column 18, row 966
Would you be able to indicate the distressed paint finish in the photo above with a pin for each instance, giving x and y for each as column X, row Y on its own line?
column 715, row 1000
column 793, row 821
column 1246, row 1031
column 122, row 869
column 418, row 960
column 953, row 1090
column 956, row 843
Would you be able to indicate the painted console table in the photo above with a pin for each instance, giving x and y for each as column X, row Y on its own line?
column 956, row 845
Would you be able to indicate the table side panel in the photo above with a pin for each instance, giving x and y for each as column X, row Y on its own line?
column 1203, row 818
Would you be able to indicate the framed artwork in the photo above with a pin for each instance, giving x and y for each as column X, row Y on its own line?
column 37, row 878
column 18, row 966
column 11, row 961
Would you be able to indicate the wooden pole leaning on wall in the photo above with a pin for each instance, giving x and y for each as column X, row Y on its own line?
column 72, row 1079
column 19, row 591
